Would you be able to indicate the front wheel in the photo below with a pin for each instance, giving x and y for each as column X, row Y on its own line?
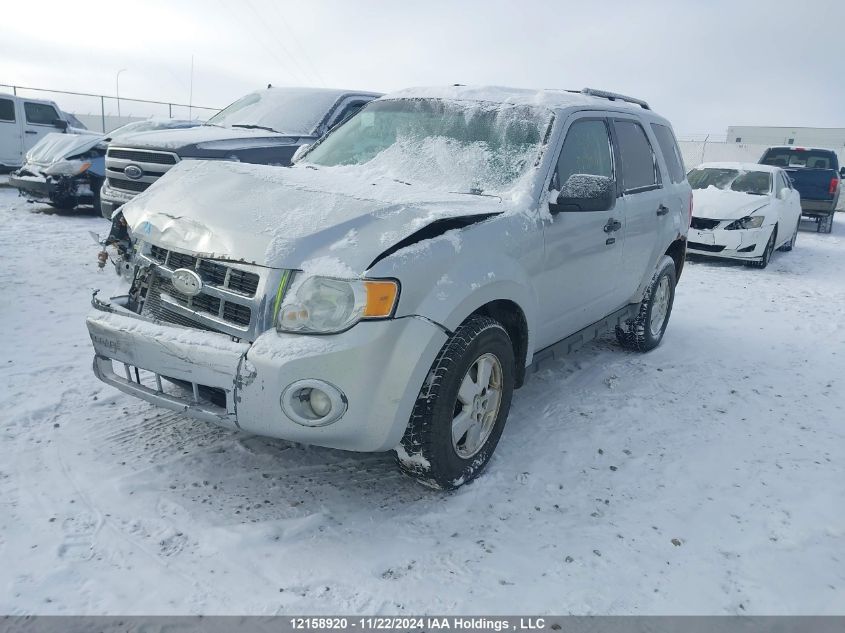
column 767, row 254
column 645, row 331
column 462, row 407
column 791, row 243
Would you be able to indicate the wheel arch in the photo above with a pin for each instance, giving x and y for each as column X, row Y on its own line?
column 512, row 318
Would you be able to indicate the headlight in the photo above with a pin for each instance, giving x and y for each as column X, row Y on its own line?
column 67, row 168
column 325, row 305
column 749, row 222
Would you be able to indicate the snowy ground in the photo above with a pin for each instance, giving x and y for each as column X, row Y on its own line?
column 705, row 477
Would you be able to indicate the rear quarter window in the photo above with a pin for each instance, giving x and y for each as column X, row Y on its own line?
column 671, row 152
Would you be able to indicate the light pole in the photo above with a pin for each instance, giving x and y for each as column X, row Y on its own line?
column 117, row 88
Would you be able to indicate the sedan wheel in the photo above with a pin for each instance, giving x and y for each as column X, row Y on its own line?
column 477, row 405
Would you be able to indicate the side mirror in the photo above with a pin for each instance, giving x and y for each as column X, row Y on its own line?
column 585, row 192
column 298, row 153
column 783, row 194
column 61, row 124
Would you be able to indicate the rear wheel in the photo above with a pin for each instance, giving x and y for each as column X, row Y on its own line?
column 462, row 407
column 645, row 331
column 826, row 224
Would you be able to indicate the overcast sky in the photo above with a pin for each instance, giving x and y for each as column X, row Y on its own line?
column 704, row 65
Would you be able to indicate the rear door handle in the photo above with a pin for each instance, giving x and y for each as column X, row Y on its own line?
column 612, row 225
column 31, row 132
column 662, row 210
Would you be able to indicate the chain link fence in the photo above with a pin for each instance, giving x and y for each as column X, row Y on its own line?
column 103, row 113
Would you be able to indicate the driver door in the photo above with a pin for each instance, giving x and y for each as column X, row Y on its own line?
column 583, row 249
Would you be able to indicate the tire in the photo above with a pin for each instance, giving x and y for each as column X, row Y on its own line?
column 785, row 248
column 640, row 334
column 767, row 254
column 98, row 209
column 428, row 451
column 63, row 205
column 826, row 224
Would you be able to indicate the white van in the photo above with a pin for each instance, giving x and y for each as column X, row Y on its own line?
column 24, row 122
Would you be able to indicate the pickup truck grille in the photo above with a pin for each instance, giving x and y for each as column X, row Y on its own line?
column 153, row 165
column 142, row 156
column 227, row 302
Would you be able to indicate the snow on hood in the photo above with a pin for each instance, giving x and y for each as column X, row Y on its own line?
column 57, row 146
column 330, row 220
column 713, row 203
column 178, row 138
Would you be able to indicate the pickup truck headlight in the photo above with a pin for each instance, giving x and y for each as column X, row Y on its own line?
column 67, row 168
column 749, row 222
column 325, row 305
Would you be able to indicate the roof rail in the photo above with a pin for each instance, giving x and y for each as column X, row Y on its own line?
column 613, row 96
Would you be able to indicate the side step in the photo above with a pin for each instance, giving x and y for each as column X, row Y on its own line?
column 589, row 333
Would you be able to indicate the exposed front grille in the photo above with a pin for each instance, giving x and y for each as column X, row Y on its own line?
column 159, row 158
column 202, row 304
column 703, row 224
column 226, row 302
column 709, row 248
column 212, row 273
column 129, row 185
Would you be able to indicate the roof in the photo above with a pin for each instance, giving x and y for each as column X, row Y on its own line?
column 740, row 166
column 551, row 98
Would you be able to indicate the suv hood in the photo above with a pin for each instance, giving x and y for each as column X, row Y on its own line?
column 713, row 203
column 205, row 140
column 57, row 146
column 333, row 220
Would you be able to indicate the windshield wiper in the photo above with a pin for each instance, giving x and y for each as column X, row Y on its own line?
column 255, row 127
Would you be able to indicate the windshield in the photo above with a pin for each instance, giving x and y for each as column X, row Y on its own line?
column 463, row 147
column 758, row 183
column 284, row 110
column 802, row 158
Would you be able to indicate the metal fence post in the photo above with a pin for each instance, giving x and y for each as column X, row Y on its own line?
column 170, row 110
column 15, row 90
column 103, row 112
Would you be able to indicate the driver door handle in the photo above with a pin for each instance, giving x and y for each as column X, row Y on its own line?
column 662, row 209
column 31, row 132
column 612, row 225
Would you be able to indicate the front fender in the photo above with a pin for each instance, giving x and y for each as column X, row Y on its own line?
column 447, row 278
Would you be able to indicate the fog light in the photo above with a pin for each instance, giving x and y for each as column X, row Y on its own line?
column 313, row 402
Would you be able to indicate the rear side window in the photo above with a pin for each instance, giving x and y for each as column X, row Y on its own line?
column 670, row 151
column 40, row 113
column 586, row 150
column 800, row 158
column 7, row 110
column 638, row 166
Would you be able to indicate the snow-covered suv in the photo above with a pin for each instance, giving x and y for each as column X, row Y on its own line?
column 389, row 291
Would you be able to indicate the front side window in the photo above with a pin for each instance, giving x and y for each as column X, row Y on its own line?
column 671, row 152
column 458, row 146
column 40, row 113
column 757, row 183
column 586, row 150
column 639, row 169
column 7, row 110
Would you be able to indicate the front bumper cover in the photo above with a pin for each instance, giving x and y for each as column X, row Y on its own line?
column 747, row 244
column 379, row 366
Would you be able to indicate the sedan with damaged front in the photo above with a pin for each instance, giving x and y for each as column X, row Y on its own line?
column 389, row 291
column 742, row 211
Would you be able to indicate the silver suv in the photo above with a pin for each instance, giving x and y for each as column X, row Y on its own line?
column 390, row 289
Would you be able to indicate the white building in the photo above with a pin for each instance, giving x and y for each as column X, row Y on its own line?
column 832, row 137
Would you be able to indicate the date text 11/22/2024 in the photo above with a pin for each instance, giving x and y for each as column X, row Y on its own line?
column 406, row 623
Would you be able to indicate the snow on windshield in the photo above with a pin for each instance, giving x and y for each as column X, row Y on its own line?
column 754, row 182
column 464, row 147
column 284, row 110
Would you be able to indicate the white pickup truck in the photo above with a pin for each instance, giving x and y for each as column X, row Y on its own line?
column 24, row 122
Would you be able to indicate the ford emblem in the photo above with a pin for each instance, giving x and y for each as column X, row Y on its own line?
column 187, row 282
column 133, row 171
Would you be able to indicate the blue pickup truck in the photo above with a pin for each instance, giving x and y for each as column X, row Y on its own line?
column 816, row 175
